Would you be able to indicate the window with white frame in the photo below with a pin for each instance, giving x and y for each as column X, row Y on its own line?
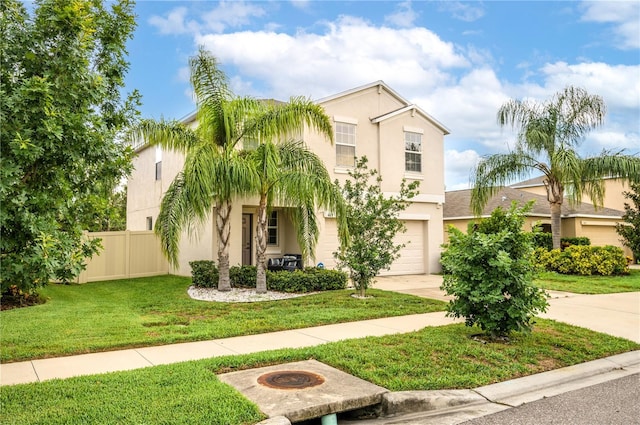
column 345, row 144
column 272, row 228
column 412, row 152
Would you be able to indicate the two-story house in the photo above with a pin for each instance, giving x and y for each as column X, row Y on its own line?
column 399, row 139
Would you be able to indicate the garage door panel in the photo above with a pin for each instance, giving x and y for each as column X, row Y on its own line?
column 411, row 259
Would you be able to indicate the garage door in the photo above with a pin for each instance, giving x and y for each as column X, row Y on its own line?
column 411, row 260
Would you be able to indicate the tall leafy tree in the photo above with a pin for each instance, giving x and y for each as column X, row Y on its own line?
column 630, row 231
column 293, row 176
column 549, row 134
column 61, row 117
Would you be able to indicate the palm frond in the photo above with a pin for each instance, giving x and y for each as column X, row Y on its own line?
column 289, row 119
column 608, row 164
column 209, row 82
column 171, row 135
column 496, row 171
column 175, row 212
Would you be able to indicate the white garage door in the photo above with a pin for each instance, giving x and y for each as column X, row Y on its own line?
column 411, row 260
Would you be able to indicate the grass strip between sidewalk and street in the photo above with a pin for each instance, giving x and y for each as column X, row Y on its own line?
column 590, row 284
column 189, row 393
column 113, row 315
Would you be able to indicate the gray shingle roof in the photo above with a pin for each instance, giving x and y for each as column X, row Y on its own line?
column 457, row 204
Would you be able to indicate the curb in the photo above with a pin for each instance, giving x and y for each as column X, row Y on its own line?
column 456, row 406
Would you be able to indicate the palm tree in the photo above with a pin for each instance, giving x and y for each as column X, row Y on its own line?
column 291, row 175
column 548, row 135
column 214, row 172
column 217, row 171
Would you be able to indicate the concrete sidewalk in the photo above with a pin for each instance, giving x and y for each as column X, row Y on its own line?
column 615, row 314
column 112, row 361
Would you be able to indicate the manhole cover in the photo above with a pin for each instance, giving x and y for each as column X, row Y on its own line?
column 290, row 380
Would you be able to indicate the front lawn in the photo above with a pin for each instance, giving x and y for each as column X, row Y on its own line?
column 121, row 314
column 590, row 284
column 189, row 393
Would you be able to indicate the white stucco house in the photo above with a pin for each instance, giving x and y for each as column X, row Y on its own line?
column 399, row 138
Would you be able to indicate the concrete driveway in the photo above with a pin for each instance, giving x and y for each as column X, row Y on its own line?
column 613, row 314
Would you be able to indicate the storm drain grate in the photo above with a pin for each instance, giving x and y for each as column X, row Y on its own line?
column 290, row 380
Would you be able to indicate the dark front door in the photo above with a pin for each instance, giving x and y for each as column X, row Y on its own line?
column 246, row 239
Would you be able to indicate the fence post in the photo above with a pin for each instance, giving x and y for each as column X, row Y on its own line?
column 127, row 251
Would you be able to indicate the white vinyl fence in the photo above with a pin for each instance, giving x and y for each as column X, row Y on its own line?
column 124, row 255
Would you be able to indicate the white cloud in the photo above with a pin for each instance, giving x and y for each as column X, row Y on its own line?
column 458, row 167
column 301, row 4
column 613, row 141
column 225, row 14
column 404, row 17
column 349, row 53
column 231, row 14
column 467, row 11
column 624, row 15
column 174, row 23
column 619, row 85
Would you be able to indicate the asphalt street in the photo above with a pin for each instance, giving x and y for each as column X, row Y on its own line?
column 615, row 402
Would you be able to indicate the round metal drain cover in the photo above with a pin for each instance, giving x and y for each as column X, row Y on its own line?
column 290, row 380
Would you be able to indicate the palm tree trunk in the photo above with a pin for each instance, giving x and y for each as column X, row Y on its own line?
column 223, row 227
column 555, row 195
column 261, row 246
column 556, row 208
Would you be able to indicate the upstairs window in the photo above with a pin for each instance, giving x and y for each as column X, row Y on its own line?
column 158, row 163
column 345, row 144
column 272, row 228
column 412, row 152
column 159, row 170
column 250, row 143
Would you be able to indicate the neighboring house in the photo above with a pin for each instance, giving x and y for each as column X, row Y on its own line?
column 613, row 196
column 580, row 220
column 399, row 139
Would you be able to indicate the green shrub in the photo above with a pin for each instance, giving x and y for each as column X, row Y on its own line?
column 543, row 240
column 489, row 271
column 243, row 276
column 204, row 273
column 327, row 280
column 308, row 280
column 584, row 260
column 580, row 241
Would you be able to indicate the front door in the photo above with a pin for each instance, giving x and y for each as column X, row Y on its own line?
column 246, row 239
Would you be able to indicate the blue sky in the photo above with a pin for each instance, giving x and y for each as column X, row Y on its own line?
column 459, row 61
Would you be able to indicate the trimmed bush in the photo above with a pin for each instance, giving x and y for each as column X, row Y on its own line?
column 243, row 276
column 309, row 280
column 204, row 273
column 584, row 260
column 543, row 240
column 579, row 241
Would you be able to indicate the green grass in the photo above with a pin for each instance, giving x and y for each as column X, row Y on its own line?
column 189, row 393
column 590, row 284
column 111, row 315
